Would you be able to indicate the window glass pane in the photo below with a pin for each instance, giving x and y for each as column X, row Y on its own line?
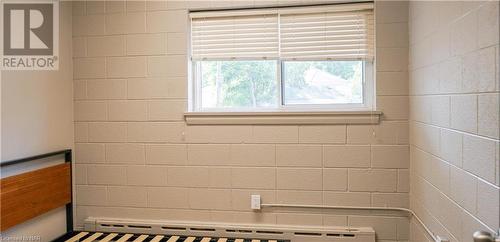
column 323, row 82
column 238, row 84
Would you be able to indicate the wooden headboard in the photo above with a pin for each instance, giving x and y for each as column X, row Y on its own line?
column 31, row 194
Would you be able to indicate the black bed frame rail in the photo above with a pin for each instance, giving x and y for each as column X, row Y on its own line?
column 68, row 157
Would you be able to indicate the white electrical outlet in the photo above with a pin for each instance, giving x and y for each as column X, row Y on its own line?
column 255, row 202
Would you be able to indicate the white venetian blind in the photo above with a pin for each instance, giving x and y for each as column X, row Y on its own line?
column 328, row 35
column 234, row 37
column 334, row 32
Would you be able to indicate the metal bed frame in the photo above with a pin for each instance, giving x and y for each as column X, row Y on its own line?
column 62, row 173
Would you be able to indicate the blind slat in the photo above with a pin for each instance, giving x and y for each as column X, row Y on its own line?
column 235, row 32
column 217, row 41
column 318, row 44
column 320, row 36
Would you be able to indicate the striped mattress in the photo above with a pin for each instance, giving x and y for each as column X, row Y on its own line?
column 129, row 237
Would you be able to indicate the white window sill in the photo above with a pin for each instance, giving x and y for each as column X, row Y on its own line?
column 239, row 118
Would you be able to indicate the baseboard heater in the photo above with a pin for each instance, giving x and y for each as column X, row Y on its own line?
column 263, row 232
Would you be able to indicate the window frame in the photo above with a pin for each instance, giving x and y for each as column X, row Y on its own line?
column 195, row 97
column 368, row 106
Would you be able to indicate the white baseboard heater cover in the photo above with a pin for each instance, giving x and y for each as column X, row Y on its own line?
column 251, row 231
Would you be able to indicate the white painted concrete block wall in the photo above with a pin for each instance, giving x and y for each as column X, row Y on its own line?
column 454, row 93
column 136, row 158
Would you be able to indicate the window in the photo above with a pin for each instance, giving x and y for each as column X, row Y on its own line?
column 238, row 84
column 285, row 59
